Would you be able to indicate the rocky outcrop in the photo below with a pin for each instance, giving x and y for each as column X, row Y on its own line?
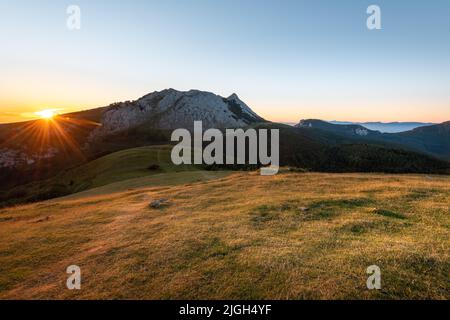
column 13, row 158
column 171, row 109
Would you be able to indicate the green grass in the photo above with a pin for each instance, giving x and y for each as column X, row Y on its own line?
column 122, row 165
column 389, row 214
column 155, row 180
column 136, row 163
column 233, row 236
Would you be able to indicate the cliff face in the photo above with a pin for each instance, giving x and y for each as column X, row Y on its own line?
column 172, row 109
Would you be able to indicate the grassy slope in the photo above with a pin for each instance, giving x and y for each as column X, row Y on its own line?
column 118, row 166
column 122, row 165
column 239, row 236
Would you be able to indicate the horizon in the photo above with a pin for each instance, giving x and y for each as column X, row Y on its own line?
column 30, row 116
column 299, row 60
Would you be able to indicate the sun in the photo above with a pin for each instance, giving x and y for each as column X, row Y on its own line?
column 46, row 114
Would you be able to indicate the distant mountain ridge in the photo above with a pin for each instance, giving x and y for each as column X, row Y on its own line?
column 347, row 129
column 433, row 140
column 387, row 127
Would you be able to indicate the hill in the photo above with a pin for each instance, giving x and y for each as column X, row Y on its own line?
column 388, row 127
column 73, row 138
column 316, row 149
column 433, row 140
column 36, row 151
column 293, row 236
column 310, row 150
column 115, row 167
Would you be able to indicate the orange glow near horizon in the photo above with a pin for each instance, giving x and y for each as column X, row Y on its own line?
column 274, row 110
column 46, row 113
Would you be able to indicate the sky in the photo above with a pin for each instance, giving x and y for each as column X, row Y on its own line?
column 288, row 60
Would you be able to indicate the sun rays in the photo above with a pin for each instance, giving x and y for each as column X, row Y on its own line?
column 52, row 140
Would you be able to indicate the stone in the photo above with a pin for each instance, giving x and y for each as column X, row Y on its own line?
column 158, row 204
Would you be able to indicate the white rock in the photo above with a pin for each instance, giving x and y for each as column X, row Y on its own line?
column 172, row 109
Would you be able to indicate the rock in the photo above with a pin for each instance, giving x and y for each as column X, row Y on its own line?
column 158, row 204
column 172, row 109
column 303, row 209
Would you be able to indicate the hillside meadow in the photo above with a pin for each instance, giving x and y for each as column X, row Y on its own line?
column 234, row 235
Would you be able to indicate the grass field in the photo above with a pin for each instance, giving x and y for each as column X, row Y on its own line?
column 115, row 167
column 120, row 166
column 230, row 235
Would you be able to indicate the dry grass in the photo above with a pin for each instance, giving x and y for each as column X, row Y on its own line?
column 240, row 236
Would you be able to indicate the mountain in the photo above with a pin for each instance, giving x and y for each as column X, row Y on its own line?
column 433, row 140
column 387, row 127
column 40, row 149
column 171, row 109
column 316, row 149
column 345, row 129
column 148, row 120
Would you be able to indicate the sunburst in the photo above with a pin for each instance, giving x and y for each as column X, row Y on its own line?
column 46, row 114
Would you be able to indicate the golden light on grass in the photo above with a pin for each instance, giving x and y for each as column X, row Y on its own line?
column 212, row 243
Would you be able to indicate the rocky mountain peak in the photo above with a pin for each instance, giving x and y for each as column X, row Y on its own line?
column 234, row 96
column 171, row 109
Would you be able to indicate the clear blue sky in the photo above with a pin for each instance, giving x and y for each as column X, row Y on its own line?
column 287, row 59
